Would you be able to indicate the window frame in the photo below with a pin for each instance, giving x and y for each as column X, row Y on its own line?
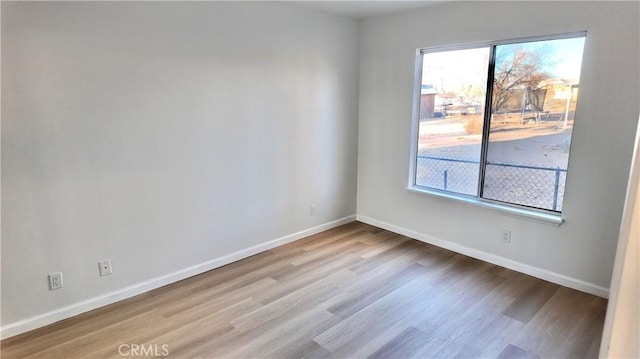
column 537, row 214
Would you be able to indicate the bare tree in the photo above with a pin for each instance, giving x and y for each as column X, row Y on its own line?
column 516, row 70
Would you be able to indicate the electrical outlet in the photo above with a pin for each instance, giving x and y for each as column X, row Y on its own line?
column 105, row 267
column 506, row 236
column 55, row 280
column 313, row 210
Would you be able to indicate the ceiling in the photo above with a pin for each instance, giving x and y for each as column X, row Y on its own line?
column 359, row 9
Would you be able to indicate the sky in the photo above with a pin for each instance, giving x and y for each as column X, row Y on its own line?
column 449, row 70
column 566, row 55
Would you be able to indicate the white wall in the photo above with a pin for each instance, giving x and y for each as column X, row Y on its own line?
column 163, row 136
column 581, row 251
column 167, row 135
column 621, row 335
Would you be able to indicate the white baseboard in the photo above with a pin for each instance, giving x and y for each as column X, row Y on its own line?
column 492, row 258
column 41, row 320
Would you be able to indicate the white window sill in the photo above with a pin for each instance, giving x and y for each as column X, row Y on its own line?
column 538, row 216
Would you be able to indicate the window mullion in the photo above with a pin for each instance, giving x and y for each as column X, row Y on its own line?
column 487, row 120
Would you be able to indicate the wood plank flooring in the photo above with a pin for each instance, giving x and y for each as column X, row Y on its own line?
column 355, row 291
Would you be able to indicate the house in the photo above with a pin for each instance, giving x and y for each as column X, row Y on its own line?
column 427, row 101
column 167, row 139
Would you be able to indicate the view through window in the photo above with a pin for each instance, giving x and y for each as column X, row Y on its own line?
column 517, row 150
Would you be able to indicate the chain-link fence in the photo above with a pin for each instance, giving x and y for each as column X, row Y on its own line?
column 539, row 187
column 460, row 176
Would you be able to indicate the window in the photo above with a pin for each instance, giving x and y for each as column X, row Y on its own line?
column 494, row 121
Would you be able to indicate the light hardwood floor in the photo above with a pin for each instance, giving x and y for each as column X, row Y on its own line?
column 352, row 292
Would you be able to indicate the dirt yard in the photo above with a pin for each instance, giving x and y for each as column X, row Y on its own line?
column 545, row 144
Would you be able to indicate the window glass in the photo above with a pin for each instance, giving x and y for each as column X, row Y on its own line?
column 522, row 158
column 535, row 90
column 452, row 100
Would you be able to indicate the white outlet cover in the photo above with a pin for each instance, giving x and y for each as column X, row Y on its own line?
column 55, row 280
column 105, row 267
column 506, row 236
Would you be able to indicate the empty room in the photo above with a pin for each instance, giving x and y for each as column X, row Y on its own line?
column 335, row 179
